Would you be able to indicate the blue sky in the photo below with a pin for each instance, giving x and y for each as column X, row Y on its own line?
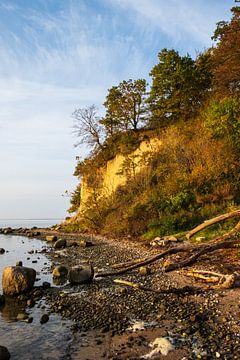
column 56, row 55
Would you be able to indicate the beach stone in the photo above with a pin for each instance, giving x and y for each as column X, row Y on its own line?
column 46, row 285
column 81, row 274
column 7, row 231
column 51, row 238
column 19, row 263
column 21, row 316
column 17, row 280
column 144, row 270
column 4, row 353
column 44, row 319
column 200, row 238
column 60, row 271
column 2, row 251
column 61, row 243
column 84, row 243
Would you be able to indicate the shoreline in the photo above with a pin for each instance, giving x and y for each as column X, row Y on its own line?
column 199, row 326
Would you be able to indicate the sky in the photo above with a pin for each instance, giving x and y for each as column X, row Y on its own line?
column 59, row 55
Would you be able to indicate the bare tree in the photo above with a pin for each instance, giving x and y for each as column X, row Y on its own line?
column 87, row 127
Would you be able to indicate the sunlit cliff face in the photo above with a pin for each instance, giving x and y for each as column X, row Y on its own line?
column 114, row 173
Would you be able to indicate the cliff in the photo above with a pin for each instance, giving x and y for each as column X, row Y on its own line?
column 118, row 170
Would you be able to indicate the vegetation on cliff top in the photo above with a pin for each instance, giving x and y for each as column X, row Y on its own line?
column 193, row 107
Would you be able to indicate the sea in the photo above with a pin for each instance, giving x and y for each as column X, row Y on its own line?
column 28, row 341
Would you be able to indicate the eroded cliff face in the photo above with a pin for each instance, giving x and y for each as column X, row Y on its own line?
column 118, row 170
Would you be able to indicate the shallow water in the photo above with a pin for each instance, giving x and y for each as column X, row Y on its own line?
column 28, row 341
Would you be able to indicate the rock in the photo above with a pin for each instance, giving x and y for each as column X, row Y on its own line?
column 17, row 280
column 163, row 241
column 84, row 243
column 4, row 353
column 30, row 303
column 36, row 233
column 59, row 271
column 46, row 285
column 2, row 251
column 200, row 238
column 81, row 274
column 44, row 319
column 51, row 238
column 61, row 243
column 21, row 316
column 144, row 270
column 19, row 263
column 7, row 231
column 2, row 300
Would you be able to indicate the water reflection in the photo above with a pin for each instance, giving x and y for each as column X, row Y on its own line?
column 28, row 340
column 12, row 308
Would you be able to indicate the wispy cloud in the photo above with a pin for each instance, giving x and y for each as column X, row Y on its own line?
column 189, row 21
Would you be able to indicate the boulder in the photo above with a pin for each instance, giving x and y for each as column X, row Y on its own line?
column 81, row 274
column 4, row 353
column 61, row 243
column 17, row 280
column 59, row 271
column 51, row 238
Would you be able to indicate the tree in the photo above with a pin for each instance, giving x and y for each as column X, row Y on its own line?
column 125, row 106
column 87, row 127
column 226, row 56
column 179, row 86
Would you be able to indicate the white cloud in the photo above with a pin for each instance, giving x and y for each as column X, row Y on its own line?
column 178, row 19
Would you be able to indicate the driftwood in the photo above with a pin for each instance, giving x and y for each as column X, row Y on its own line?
column 183, row 290
column 221, row 242
column 224, row 281
column 211, row 222
column 195, row 251
column 147, row 261
column 127, row 264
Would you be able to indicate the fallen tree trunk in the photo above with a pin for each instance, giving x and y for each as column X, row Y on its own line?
column 211, row 222
column 221, row 242
column 183, row 290
column 145, row 261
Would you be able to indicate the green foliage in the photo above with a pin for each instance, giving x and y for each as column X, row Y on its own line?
column 75, row 199
column 125, row 106
column 178, row 88
column 223, row 119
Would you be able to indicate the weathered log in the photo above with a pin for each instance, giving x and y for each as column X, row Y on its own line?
column 147, row 261
column 183, row 290
column 221, row 242
column 127, row 263
column 215, row 220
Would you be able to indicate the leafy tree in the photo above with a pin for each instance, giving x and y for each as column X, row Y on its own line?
column 179, row 86
column 75, row 199
column 87, row 127
column 125, row 106
column 226, row 55
column 223, row 119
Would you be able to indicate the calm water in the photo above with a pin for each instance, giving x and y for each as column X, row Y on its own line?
column 30, row 341
column 16, row 223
